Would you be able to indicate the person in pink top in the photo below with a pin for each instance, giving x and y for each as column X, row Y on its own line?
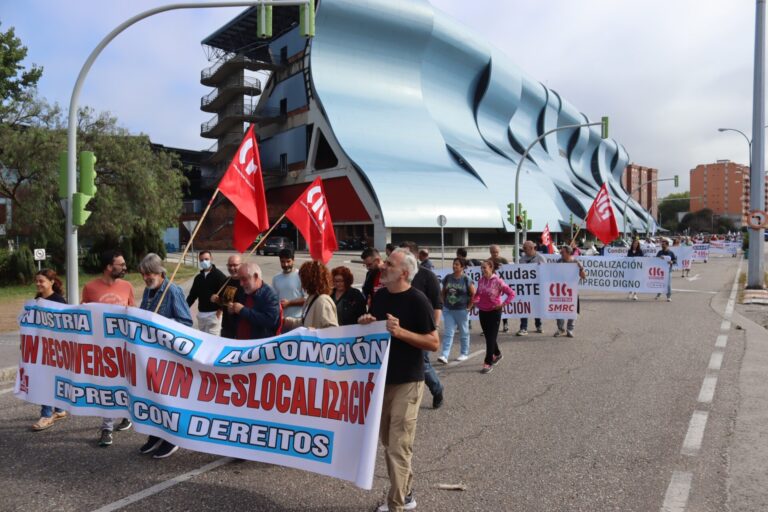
column 487, row 298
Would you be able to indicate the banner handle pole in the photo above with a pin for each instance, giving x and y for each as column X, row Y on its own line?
column 186, row 248
column 264, row 238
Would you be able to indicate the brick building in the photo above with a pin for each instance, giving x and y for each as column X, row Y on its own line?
column 723, row 187
column 641, row 183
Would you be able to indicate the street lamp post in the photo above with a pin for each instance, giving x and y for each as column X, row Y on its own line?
column 629, row 196
column 73, row 289
column 603, row 122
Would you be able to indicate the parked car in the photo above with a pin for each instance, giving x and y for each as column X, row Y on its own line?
column 275, row 244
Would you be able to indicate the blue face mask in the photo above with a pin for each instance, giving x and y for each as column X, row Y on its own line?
column 205, row 264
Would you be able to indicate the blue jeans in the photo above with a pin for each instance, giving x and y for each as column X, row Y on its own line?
column 430, row 376
column 453, row 318
column 524, row 323
column 46, row 411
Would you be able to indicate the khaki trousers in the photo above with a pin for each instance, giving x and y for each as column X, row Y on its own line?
column 397, row 431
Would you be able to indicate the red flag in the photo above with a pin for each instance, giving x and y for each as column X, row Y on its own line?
column 600, row 219
column 546, row 239
column 244, row 186
column 311, row 216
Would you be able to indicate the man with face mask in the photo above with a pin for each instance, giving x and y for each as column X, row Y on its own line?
column 208, row 282
column 110, row 288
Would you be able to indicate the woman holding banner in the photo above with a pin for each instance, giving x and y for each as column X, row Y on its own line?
column 490, row 288
column 566, row 256
column 319, row 310
column 174, row 307
column 634, row 252
column 49, row 287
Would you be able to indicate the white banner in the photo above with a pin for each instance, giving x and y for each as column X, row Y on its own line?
column 700, row 252
column 549, row 290
column 723, row 248
column 622, row 274
column 308, row 399
column 683, row 253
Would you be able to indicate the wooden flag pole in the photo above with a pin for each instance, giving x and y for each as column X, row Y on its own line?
column 264, row 238
column 189, row 244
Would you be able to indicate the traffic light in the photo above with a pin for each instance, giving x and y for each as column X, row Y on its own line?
column 677, row 180
column 604, row 127
column 264, row 21
column 519, row 221
column 529, row 224
column 511, row 213
column 87, row 188
column 63, row 175
column 307, row 19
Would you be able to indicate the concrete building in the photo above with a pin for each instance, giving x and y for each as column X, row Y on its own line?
column 723, row 187
column 408, row 117
column 640, row 182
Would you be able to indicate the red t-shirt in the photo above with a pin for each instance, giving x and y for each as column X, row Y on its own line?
column 120, row 292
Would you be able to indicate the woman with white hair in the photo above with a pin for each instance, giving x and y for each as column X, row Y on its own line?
column 174, row 306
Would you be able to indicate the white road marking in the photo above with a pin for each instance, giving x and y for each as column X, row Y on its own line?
column 729, row 308
column 696, row 277
column 676, row 498
column 722, row 340
column 725, row 325
column 133, row 498
column 6, row 391
column 693, row 291
column 708, row 389
column 716, row 361
column 692, row 441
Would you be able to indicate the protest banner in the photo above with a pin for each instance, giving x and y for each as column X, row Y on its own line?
column 684, row 254
column 308, row 399
column 541, row 291
column 640, row 275
column 723, row 248
column 700, row 252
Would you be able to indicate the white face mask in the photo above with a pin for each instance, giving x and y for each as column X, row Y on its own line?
column 205, row 264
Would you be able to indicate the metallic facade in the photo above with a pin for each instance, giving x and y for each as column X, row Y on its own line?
column 435, row 120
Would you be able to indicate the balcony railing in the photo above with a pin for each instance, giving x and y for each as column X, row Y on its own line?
column 230, row 139
column 235, row 61
column 233, row 84
column 236, row 110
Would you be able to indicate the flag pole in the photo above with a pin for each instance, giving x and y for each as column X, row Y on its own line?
column 264, row 238
column 186, row 248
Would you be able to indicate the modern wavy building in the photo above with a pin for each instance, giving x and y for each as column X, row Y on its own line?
column 406, row 115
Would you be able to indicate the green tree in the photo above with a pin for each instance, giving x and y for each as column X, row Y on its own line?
column 705, row 221
column 670, row 206
column 16, row 82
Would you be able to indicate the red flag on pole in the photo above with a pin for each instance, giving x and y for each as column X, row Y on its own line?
column 311, row 216
column 600, row 218
column 546, row 239
column 244, row 186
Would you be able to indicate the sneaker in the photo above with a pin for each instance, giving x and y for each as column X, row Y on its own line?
column 569, row 334
column 437, row 400
column 166, row 449
column 410, row 504
column 521, row 332
column 60, row 415
column 43, row 423
column 496, row 359
column 634, row 296
column 669, row 299
column 442, row 359
column 152, row 444
column 124, row 425
column 559, row 333
column 538, row 330
column 106, row 438
column 487, row 368
column 657, row 296
column 505, row 328
column 462, row 357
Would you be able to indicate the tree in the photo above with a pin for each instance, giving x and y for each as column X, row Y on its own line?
column 706, row 221
column 670, row 206
column 16, row 81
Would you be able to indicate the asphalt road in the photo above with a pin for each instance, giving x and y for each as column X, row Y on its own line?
column 601, row 422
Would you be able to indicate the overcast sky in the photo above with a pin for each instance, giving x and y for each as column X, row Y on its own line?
column 667, row 72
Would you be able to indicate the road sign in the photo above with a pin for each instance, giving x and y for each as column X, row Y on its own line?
column 39, row 254
column 757, row 219
column 190, row 225
column 441, row 220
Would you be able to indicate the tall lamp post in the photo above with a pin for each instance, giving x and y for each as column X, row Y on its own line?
column 629, row 196
column 73, row 289
column 603, row 123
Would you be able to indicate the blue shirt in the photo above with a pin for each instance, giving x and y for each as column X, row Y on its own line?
column 174, row 304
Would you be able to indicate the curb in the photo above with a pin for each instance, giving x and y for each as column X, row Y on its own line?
column 8, row 374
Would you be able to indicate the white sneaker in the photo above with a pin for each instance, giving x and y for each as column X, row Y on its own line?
column 410, row 504
column 669, row 299
column 442, row 359
column 634, row 296
column 462, row 357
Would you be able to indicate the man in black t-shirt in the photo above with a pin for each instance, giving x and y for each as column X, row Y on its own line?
column 411, row 324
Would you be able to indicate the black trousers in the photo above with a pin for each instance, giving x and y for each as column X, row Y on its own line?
column 489, row 323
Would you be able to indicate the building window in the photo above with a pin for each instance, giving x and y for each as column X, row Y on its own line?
column 284, row 162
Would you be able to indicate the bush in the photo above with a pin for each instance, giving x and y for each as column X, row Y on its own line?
column 21, row 266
